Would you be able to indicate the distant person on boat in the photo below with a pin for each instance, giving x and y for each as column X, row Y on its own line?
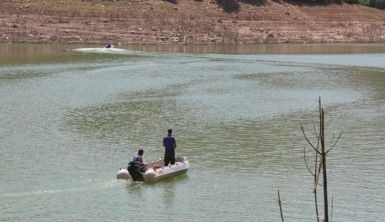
column 169, row 144
column 108, row 46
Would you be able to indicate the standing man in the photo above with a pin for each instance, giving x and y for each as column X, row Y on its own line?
column 169, row 144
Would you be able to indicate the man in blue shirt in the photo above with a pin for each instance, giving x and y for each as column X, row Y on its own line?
column 169, row 144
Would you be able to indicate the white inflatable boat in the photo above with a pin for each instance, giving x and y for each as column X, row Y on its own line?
column 156, row 171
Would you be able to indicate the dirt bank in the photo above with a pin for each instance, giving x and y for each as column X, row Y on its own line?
column 188, row 22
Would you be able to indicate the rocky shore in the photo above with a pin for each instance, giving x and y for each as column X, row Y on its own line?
column 187, row 22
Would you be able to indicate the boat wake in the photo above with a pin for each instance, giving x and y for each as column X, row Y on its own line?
column 103, row 50
column 100, row 186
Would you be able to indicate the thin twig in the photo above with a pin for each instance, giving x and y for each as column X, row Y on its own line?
column 334, row 143
column 316, row 203
column 315, row 133
column 280, row 206
column 319, row 171
column 317, row 136
column 316, row 176
column 333, row 138
column 307, row 166
column 331, row 214
column 304, row 134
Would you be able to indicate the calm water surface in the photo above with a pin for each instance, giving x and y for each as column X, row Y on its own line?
column 71, row 116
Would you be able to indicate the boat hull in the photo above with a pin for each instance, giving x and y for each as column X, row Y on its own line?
column 156, row 171
column 123, row 174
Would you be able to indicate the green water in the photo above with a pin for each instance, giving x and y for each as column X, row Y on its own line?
column 70, row 119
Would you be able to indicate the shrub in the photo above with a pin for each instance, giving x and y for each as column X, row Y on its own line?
column 352, row 1
column 380, row 4
column 172, row 1
column 229, row 5
column 254, row 2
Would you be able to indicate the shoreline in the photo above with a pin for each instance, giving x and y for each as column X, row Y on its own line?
column 198, row 44
column 246, row 49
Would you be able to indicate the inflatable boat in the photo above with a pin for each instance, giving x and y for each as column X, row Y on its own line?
column 155, row 171
column 109, row 46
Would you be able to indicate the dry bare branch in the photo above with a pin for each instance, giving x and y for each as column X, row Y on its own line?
column 332, row 138
column 280, row 206
column 316, row 204
column 307, row 166
column 304, row 134
column 331, row 214
column 319, row 172
column 315, row 133
column 316, row 177
column 335, row 142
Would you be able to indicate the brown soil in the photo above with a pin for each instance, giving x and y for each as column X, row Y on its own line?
column 188, row 22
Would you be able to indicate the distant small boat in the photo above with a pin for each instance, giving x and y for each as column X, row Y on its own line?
column 109, row 46
column 156, row 171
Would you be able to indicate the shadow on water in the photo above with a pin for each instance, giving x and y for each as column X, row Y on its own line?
column 134, row 186
column 25, row 72
column 9, row 76
column 166, row 187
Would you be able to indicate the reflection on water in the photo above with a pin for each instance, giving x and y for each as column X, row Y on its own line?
column 264, row 49
column 43, row 53
column 70, row 120
column 19, row 75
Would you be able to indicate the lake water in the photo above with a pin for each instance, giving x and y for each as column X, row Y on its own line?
column 71, row 116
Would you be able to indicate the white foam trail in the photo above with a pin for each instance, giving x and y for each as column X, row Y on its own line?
column 99, row 186
column 36, row 192
column 103, row 50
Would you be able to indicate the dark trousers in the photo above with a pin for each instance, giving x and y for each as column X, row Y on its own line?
column 169, row 157
column 134, row 171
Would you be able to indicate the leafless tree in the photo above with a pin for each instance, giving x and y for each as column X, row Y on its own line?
column 320, row 153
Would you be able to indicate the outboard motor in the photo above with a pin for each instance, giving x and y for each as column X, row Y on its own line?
column 134, row 171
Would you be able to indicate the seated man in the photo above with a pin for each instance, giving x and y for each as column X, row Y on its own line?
column 136, row 166
column 138, row 161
